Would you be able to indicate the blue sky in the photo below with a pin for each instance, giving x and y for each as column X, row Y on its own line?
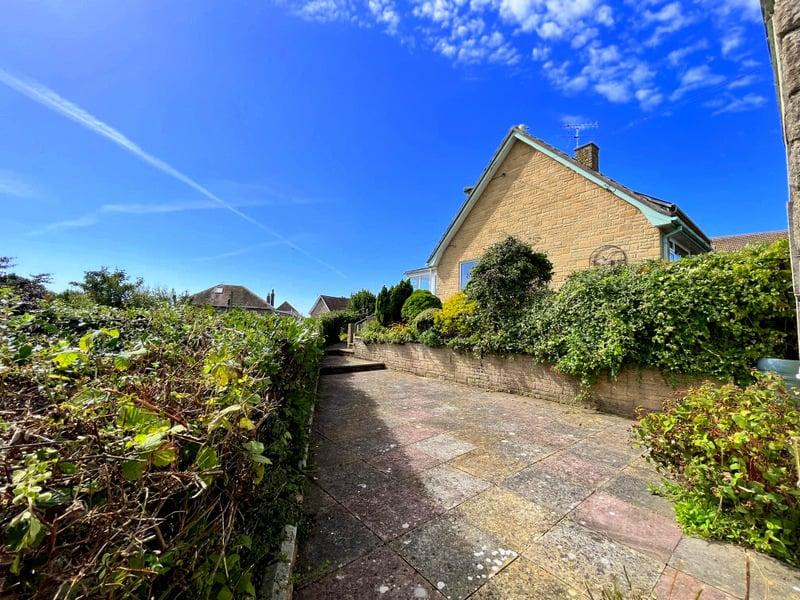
column 322, row 145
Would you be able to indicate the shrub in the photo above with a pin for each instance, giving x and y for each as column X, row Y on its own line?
column 171, row 443
column 424, row 321
column 735, row 453
column 397, row 298
column 389, row 303
column 506, row 277
column 335, row 323
column 454, row 317
column 383, row 308
column 399, row 333
column 418, row 301
column 362, row 303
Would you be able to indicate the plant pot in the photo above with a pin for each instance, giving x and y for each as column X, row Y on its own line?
column 787, row 369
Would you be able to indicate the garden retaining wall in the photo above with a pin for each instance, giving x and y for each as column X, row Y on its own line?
column 632, row 389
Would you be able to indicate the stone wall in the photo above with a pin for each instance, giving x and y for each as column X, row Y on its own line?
column 542, row 202
column 782, row 19
column 634, row 388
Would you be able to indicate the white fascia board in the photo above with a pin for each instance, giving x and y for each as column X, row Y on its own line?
column 654, row 217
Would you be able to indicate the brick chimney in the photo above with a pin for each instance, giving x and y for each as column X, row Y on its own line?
column 588, row 155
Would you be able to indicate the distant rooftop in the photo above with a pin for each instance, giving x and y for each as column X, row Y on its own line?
column 729, row 243
column 224, row 295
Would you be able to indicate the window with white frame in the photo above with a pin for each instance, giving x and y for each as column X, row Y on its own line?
column 421, row 281
column 677, row 251
column 465, row 272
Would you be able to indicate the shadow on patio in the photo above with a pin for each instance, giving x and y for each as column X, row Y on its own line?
column 427, row 489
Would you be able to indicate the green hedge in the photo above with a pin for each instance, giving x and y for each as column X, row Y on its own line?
column 153, row 453
column 335, row 323
column 712, row 314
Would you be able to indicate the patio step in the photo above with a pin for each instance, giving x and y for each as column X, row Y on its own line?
column 334, row 364
column 339, row 350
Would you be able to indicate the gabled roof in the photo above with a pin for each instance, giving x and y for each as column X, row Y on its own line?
column 658, row 212
column 729, row 243
column 224, row 295
column 335, row 302
column 285, row 307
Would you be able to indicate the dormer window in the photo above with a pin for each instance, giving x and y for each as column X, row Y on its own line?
column 219, row 290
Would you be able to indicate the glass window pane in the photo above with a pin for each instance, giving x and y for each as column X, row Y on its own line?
column 466, row 272
column 676, row 251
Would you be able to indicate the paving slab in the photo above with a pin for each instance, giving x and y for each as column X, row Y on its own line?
column 512, row 519
column 394, row 509
column 523, row 580
column 640, row 529
column 381, row 574
column 449, row 487
column 609, row 454
column 633, row 485
column 404, row 462
column 553, row 489
column 725, row 566
column 453, row 555
column 488, row 464
column 350, row 479
column 582, row 558
column 444, row 446
column 336, row 538
column 676, row 585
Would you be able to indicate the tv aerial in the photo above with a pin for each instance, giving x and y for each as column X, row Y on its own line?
column 578, row 127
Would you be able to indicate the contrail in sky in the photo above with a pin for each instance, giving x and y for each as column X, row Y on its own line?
column 49, row 99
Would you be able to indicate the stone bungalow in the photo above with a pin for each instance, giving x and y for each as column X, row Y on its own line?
column 561, row 205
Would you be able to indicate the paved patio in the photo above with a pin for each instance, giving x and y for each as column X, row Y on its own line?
column 427, row 489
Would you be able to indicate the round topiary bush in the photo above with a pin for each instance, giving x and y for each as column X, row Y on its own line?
column 417, row 302
column 424, row 320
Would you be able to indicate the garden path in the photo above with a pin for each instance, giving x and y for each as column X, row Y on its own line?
column 428, row 489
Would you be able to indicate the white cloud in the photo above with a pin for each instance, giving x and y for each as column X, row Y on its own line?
column 569, row 119
column 13, row 185
column 745, row 103
column 325, row 10
column 695, row 78
column 676, row 57
column 732, row 40
column 79, row 223
column 669, row 19
column 52, row 101
column 649, row 98
column 748, row 10
column 580, row 45
column 605, row 16
column 384, row 12
column 439, row 11
column 584, row 37
column 743, row 81
column 614, row 91
column 540, row 53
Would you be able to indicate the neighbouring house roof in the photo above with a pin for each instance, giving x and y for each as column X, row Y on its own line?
column 224, row 295
column 287, row 308
column 729, row 243
column 334, row 302
column 658, row 212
